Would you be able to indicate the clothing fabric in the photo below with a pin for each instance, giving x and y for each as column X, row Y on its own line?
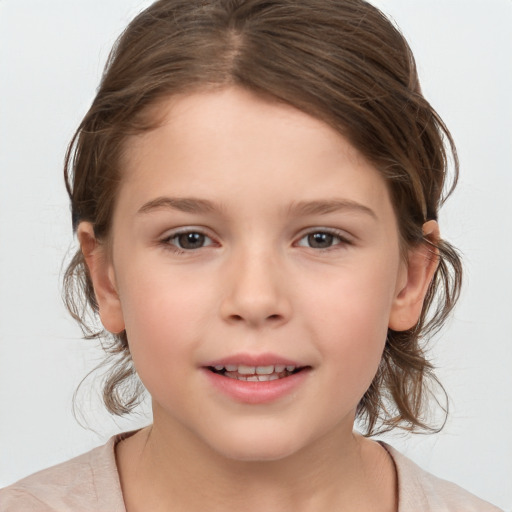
column 90, row 482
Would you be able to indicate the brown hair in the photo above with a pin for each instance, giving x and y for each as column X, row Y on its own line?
column 342, row 61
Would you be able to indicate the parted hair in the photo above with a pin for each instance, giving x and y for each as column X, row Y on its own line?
column 341, row 61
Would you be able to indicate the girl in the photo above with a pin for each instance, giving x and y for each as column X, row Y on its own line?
column 255, row 190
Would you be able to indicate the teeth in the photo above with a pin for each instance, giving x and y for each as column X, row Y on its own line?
column 265, row 378
column 248, row 372
column 253, row 378
column 264, row 370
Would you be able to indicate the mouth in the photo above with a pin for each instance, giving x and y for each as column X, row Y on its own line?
column 256, row 373
column 256, row 379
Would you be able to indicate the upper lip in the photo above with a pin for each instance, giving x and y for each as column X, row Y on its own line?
column 253, row 360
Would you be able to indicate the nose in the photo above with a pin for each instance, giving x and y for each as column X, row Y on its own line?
column 255, row 290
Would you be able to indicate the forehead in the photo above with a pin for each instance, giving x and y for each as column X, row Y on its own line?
column 234, row 113
column 233, row 146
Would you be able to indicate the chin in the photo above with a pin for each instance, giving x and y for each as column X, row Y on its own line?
column 255, row 446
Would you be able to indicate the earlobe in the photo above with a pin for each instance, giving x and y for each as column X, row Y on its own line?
column 421, row 266
column 102, row 275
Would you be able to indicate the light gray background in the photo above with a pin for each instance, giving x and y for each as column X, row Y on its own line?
column 51, row 56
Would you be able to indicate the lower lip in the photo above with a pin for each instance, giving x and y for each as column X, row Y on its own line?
column 256, row 392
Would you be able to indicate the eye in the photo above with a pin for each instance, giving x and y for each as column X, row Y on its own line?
column 321, row 240
column 188, row 240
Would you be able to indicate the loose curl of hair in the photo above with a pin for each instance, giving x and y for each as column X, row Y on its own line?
column 341, row 61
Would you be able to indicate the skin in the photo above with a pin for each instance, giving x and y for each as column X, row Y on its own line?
column 258, row 284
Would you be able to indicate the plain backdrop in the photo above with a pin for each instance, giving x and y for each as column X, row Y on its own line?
column 51, row 57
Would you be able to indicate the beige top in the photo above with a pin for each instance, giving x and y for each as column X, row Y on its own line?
column 90, row 482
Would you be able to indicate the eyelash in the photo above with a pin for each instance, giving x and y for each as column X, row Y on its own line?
column 339, row 235
column 169, row 245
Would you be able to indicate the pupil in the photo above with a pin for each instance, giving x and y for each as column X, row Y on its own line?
column 191, row 240
column 320, row 240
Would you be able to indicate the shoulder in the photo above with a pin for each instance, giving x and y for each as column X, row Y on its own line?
column 420, row 491
column 84, row 483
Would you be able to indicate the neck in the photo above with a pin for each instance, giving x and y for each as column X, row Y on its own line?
column 162, row 468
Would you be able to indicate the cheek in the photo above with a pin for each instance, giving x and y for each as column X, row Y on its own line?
column 352, row 303
column 164, row 319
column 356, row 345
column 349, row 313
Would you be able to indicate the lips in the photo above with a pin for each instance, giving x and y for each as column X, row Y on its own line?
column 256, row 379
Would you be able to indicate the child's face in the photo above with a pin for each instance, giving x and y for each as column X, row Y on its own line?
column 289, row 256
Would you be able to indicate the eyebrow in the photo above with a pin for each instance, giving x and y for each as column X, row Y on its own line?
column 183, row 204
column 195, row 205
column 329, row 206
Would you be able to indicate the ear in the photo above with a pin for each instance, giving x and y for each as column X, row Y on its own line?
column 102, row 275
column 421, row 265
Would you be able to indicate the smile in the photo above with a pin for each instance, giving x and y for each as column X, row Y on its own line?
column 256, row 378
column 255, row 373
